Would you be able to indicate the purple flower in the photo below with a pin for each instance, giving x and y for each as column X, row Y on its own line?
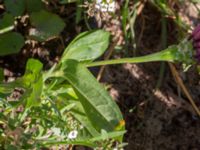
column 196, row 42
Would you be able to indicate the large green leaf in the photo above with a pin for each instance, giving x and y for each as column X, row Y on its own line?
column 11, row 43
column 79, row 113
column 65, row 96
column 33, row 5
column 15, row 7
column 6, row 21
column 46, row 25
column 99, row 107
column 87, row 46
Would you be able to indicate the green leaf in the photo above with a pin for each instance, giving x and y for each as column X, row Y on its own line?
column 34, row 97
column 79, row 113
column 5, row 91
column 1, row 75
column 6, row 21
column 75, row 108
column 104, row 135
column 11, row 43
column 99, row 107
column 33, row 66
column 33, row 5
column 15, row 7
column 87, row 46
column 46, row 25
column 33, row 81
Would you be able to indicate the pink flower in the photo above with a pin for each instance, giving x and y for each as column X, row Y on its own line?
column 195, row 37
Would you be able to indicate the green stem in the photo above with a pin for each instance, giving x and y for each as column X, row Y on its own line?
column 164, row 45
column 85, row 143
column 165, row 55
column 7, row 29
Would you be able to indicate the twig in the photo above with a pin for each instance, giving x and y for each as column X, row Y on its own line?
column 184, row 89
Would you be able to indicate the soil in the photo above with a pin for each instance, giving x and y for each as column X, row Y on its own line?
column 156, row 118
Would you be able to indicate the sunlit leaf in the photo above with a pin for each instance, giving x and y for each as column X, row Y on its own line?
column 87, row 46
column 33, row 81
column 99, row 107
column 79, row 113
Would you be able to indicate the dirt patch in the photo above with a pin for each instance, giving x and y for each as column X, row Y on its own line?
column 155, row 119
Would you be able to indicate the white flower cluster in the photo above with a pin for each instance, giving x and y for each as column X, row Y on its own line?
column 105, row 5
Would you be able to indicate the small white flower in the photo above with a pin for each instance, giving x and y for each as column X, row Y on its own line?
column 72, row 135
column 98, row 6
column 111, row 7
column 108, row 6
column 104, row 7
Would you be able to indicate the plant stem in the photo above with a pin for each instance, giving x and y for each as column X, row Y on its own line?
column 165, row 55
column 164, row 45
